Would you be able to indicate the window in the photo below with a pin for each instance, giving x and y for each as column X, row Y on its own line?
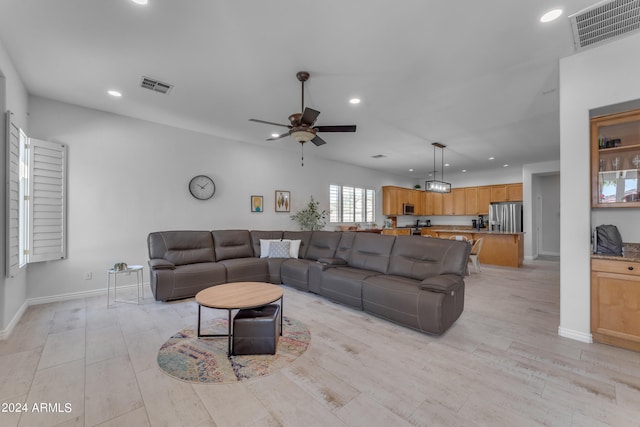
column 36, row 183
column 351, row 204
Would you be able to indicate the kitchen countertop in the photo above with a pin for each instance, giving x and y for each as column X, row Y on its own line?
column 630, row 252
column 471, row 231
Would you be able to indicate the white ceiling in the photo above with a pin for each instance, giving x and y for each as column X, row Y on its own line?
column 479, row 76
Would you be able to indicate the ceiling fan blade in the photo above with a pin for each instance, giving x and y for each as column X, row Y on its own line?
column 340, row 128
column 282, row 135
column 318, row 141
column 268, row 123
column 309, row 116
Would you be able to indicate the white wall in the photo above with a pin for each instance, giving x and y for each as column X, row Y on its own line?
column 546, row 201
column 591, row 79
column 13, row 96
column 129, row 177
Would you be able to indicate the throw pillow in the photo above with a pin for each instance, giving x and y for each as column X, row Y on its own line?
column 264, row 247
column 279, row 249
column 294, row 248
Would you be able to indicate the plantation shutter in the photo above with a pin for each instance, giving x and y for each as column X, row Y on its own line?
column 47, row 216
column 12, row 197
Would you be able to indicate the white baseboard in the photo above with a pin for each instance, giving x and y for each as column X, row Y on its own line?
column 575, row 335
column 549, row 253
column 4, row 334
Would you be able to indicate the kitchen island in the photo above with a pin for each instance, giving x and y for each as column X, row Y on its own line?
column 498, row 247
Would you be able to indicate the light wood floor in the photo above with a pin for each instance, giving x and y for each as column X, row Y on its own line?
column 501, row 364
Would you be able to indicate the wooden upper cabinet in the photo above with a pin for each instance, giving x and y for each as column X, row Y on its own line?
column 498, row 193
column 389, row 201
column 438, row 201
column 506, row 193
column 514, row 192
column 447, row 203
column 615, row 160
column 471, row 201
column 484, row 199
column 458, row 201
column 461, row 201
column 421, row 203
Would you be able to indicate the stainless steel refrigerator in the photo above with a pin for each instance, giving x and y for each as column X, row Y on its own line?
column 505, row 217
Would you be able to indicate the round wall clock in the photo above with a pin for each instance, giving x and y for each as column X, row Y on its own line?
column 202, row 187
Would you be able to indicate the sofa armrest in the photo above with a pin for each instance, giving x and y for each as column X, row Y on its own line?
column 161, row 264
column 443, row 283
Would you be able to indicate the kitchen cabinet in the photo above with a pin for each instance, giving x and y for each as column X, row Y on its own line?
column 506, row 193
column 390, row 201
column 514, row 192
column 437, row 203
column 460, row 201
column 484, row 199
column 498, row 193
column 471, row 201
column 615, row 160
column 453, row 203
column 393, row 199
column 615, row 302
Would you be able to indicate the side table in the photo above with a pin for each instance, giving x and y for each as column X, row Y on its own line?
column 138, row 270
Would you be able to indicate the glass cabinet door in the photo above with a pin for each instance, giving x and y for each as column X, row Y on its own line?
column 615, row 160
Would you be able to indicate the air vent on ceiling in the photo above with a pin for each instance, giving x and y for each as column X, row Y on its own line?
column 604, row 21
column 155, row 85
column 378, row 156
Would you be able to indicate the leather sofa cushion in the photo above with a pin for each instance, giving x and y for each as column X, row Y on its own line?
column 427, row 257
column 230, row 244
column 249, row 269
column 371, row 252
column 181, row 247
column 346, row 243
column 323, row 245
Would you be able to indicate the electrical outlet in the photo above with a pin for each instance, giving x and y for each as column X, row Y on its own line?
column 87, row 275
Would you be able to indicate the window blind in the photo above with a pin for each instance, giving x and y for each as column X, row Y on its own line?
column 12, row 197
column 47, row 214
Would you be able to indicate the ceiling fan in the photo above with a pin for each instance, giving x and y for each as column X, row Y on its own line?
column 301, row 127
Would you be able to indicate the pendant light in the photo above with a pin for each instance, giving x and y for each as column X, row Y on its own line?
column 434, row 185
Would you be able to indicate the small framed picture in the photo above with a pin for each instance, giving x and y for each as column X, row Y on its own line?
column 283, row 201
column 257, row 204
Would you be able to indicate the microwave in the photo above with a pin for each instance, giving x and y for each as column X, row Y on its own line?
column 407, row 209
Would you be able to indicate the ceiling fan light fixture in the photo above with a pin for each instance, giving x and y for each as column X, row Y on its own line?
column 302, row 136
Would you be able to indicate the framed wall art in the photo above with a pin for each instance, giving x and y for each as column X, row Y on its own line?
column 257, row 203
column 283, row 201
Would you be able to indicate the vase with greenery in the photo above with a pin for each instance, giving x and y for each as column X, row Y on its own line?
column 311, row 217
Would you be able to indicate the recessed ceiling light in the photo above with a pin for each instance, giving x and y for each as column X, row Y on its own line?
column 140, row 2
column 114, row 93
column 446, row 165
column 273, row 135
column 492, row 158
column 354, row 101
column 552, row 15
column 411, row 170
column 505, row 166
column 464, row 171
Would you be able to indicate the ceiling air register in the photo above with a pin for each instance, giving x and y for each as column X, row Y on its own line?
column 605, row 21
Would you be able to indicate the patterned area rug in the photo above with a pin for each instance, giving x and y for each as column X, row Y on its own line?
column 205, row 360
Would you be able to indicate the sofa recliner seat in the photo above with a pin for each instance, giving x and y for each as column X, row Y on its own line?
column 411, row 280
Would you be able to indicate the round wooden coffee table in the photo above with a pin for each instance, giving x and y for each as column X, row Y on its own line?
column 237, row 296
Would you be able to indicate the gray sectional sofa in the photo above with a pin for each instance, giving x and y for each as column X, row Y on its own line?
column 411, row 280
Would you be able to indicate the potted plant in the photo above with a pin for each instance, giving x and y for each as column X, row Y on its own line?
column 417, row 186
column 311, row 217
